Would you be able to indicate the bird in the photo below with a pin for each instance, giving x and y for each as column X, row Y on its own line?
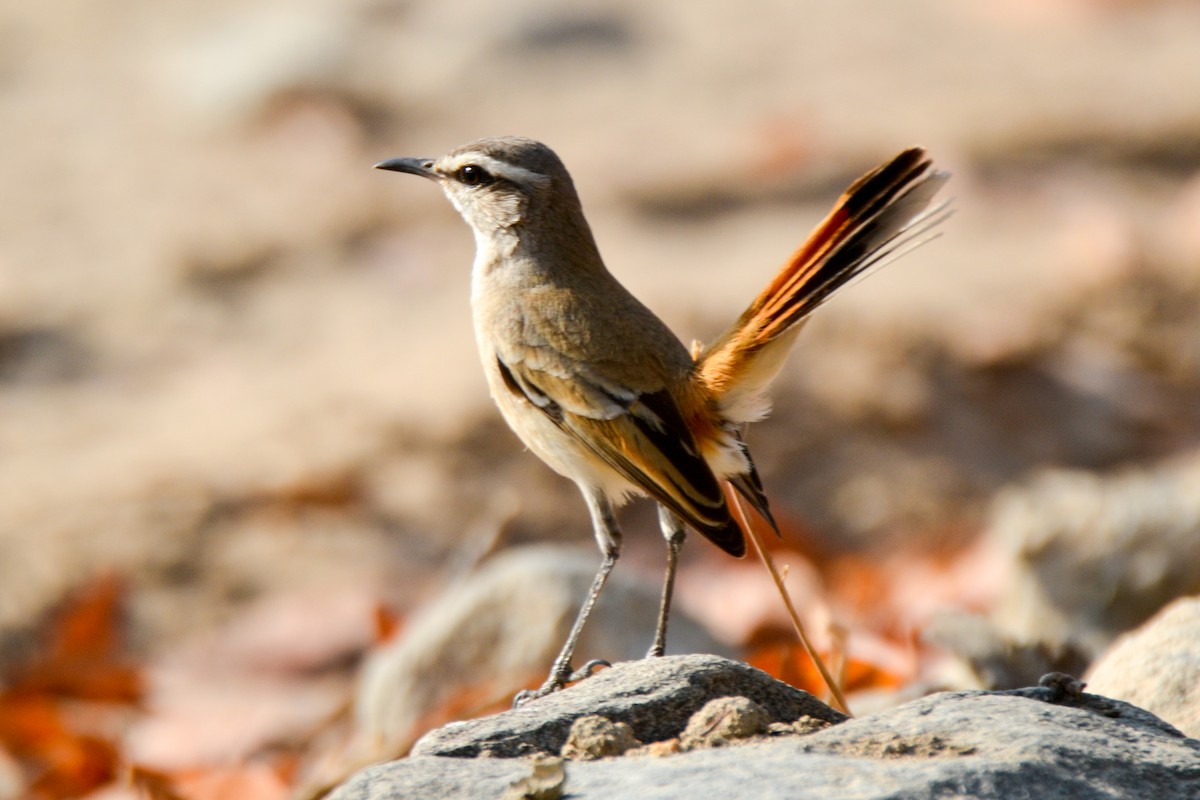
column 598, row 387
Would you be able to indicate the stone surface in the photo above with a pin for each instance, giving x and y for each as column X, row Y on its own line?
column 595, row 737
column 725, row 720
column 546, row 779
column 655, row 697
column 1157, row 666
column 1052, row 742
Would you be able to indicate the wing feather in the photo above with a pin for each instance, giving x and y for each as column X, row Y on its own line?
column 642, row 436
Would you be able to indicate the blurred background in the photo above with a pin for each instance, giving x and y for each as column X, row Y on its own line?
column 238, row 381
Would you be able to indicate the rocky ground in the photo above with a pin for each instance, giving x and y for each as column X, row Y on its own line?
column 703, row 727
column 236, row 366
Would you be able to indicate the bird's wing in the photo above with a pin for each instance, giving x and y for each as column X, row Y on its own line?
column 640, row 434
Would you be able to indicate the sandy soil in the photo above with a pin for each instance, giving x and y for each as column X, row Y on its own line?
column 236, row 361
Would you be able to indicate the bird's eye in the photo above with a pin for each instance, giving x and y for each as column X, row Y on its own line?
column 473, row 175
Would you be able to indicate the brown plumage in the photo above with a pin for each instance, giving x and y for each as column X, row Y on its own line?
column 598, row 387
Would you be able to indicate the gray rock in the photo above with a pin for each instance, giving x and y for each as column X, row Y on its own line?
column 1094, row 556
column 1052, row 742
column 1158, row 666
column 725, row 720
column 655, row 697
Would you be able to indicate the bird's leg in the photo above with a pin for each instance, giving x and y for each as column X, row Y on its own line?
column 608, row 535
column 674, row 532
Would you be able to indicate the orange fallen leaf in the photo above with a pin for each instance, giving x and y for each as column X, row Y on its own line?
column 388, row 623
column 59, row 710
column 81, row 657
column 785, row 660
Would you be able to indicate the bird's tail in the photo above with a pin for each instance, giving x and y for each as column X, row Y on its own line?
column 878, row 216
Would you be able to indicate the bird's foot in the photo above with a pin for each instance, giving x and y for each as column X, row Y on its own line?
column 560, row 676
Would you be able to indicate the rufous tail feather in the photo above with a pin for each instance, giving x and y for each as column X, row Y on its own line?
column 878, row 214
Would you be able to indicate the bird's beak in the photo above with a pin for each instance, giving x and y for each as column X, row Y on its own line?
column 413, row 166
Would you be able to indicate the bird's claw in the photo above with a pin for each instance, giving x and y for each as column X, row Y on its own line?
column 559, row 678
column 587, row 670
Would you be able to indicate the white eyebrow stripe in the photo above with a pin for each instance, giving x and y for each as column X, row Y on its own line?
column 498, row 169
